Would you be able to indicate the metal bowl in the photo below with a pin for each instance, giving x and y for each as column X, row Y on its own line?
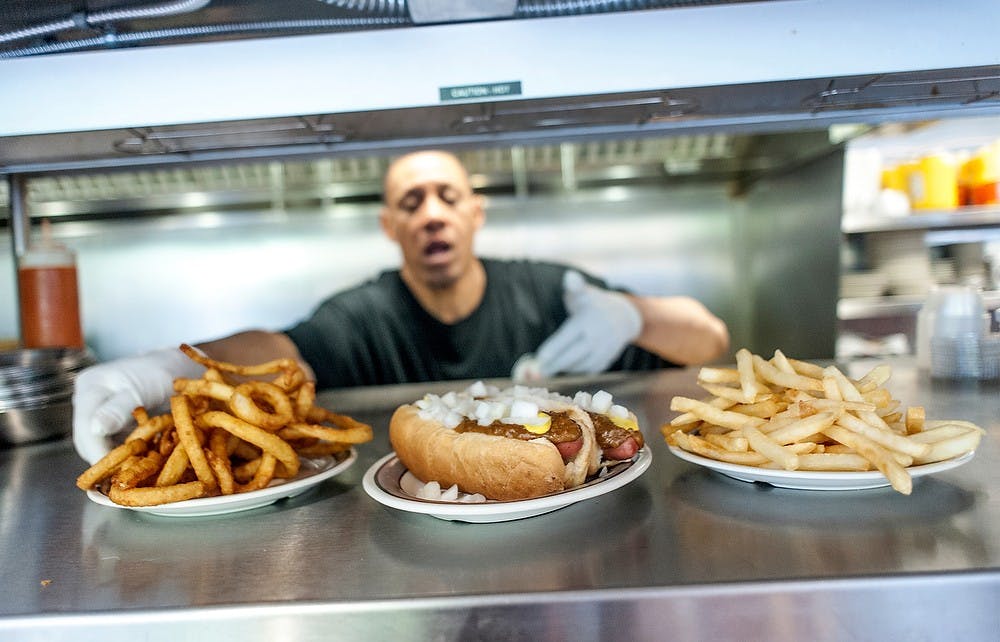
column 26, row 425
column 25, row 364
column 36, row 388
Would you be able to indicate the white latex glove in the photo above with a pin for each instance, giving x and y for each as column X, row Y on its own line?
column 601, row 324
column 105, row 395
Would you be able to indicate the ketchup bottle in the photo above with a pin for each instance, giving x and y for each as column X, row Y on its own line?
column 49, row 299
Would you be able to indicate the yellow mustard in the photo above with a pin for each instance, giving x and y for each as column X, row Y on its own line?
column 624, row 422
column 541, row 426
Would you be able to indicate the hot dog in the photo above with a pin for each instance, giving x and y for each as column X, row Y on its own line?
column 510, row 444
column 616, row 428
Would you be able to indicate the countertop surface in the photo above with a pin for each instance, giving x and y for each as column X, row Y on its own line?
column 679, row 534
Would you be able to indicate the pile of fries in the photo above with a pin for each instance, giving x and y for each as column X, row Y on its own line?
column 795, row 415
column 228, row 432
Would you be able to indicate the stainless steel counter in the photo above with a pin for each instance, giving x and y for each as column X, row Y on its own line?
column 682, row 551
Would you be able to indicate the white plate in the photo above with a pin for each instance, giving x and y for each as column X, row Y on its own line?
column 815, row 480
column 382, row 483
column 311, row 473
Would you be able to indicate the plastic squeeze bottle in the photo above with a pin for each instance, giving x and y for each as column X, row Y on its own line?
column 49, row 298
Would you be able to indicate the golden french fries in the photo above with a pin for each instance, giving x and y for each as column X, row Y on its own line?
column 223, row 436
column 794, row 415
column 107, row 465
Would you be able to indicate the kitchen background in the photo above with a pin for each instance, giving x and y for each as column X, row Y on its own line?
column 184, row 254
column 245, row 193
column 789, row 237
column 921, row 210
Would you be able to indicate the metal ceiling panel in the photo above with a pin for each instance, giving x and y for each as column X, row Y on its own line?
column 755, row 66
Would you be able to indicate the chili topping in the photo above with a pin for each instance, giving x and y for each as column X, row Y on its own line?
column 563, row 429
column 611, row 435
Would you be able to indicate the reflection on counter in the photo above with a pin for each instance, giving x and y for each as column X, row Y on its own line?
column 605, row 535
column 822, row 529
column 665, row 552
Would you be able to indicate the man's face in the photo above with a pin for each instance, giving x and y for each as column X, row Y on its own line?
column 432, row 212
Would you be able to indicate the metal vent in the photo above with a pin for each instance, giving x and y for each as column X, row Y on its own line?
column 618, row 160
column 33, row 28
column 907, row 90
column 228, row 136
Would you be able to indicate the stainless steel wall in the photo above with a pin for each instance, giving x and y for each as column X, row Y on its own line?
column 149, row 282
column 790, row 260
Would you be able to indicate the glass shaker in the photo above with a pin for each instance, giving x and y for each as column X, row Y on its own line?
column 958, row 330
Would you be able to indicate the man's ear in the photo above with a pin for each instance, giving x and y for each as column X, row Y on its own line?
column 385, row 220
column 480, row 210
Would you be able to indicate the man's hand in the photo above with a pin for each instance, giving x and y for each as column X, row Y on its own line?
column 105, row 395
column 601, row 324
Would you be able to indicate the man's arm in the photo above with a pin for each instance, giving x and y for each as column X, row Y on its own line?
column 680, row 329
column 602, row 323
column 254, row 346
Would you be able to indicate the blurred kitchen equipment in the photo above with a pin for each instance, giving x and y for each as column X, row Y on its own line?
column 933, row 182
column 989, row 354
column 904, row 260
column 982, row 175
column 893, row 197
column 36, row 390
column 959, row 323
column 989, row 350
column 925, row 328
column 49, row 300
column 971, row 267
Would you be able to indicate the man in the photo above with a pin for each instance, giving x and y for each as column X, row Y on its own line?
column 445, row 314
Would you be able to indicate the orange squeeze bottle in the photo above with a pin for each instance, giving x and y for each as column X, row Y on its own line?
column 49, row 297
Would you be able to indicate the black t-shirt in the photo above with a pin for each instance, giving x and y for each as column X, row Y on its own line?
column 377, row 332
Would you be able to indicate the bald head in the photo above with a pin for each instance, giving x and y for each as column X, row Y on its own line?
column 431, row 211
column 415, row 165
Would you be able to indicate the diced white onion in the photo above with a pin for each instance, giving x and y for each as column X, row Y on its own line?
column 621, row 412
column 523, row 408
column 601, row 402
column 451, row 420
column 430, row 490
column 483, row 410
column 515, row 405
column 489, row 411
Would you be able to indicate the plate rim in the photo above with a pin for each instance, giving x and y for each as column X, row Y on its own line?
column 790, row 476
column 223, row 504
column 526, row 507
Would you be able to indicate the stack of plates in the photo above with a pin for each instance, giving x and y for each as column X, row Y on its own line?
column 944, row 271
column 36, row 390
column 904, row 260
column 862, row 284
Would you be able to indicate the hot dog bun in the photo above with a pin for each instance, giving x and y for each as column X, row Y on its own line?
column 497, row 467
column 510, row 444
column 588, row 460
